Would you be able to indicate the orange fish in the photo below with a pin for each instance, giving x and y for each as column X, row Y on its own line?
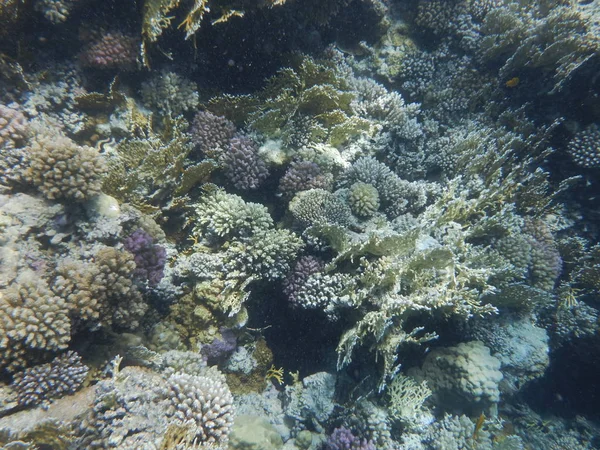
column 478, row 426
column 514, row 81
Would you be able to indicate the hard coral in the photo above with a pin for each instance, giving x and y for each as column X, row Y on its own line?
column 149, row 257
column 62, row 376
column 13, row 126
column 61, row 169
column 111, row 50
column 211, row 133
column 244, row 168
column 302, row 176
column 31, row 317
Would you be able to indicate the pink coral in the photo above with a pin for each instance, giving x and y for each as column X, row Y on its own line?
column 111, row 50
column 13, row 126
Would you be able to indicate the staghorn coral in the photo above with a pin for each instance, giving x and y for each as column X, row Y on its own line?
column 61, row 376
column 584, row 147
column 267, row 254
column 61, row 169
column 243, row 166
column 111, row 50
column 225, row 216
column 211, row 133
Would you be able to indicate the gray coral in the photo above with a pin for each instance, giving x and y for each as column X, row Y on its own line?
column 63, row 375
column 584, row 147
column 31, row 318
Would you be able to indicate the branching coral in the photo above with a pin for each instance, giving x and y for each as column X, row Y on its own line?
column 63, row 375
column 32, row 318
column 61, row 169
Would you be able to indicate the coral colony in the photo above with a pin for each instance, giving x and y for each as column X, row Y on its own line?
column 299, row 224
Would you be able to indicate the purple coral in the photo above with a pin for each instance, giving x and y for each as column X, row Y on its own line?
column 211, row 134
column 111, row 50
column 149, row 257
column 305, row 267
column 243, row 166
column 343, row 439
column 219, row 349
column 302, row 176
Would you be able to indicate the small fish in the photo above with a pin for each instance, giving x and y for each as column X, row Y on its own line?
column 478, row 426
column 513, row 82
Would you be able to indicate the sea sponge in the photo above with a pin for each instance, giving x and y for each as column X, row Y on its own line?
column 61, row 169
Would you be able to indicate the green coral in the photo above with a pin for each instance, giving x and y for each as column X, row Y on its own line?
column 318, row 206
column 315, row 94
column 363, row 199
column 146, row 171
column 239, row 241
